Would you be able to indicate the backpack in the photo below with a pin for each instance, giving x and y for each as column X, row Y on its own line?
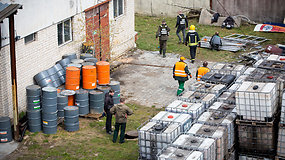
column 215, row 17
column 228, row 23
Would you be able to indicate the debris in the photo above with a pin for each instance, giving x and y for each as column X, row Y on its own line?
column 227, row 45
column 268, row 28
column 245, row 39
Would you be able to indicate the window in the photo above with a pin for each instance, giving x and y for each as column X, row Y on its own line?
column 64, row 31
column 30, row 38
column 118, row 7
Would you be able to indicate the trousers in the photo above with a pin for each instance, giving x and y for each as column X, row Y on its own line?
column 183, row 34
column 181, row 87
column 193, row 52
column 108, row 121
column 116, row 132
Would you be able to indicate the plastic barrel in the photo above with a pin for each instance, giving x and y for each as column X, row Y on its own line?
column 64, row 62
column 89, row 77
column 71, row 118
column 93, row 60
column 43, row 79
column 70, row 56
column 5, row 130
column 62, row 101
column 34, row 120
column 85, row 55
column 115, row 85
column 33, row 93
column 96, row 101
column 77, row 61
column 103, row 72
column 70, row 94
column 72, row 78
column 82, row 101
column 104, row 89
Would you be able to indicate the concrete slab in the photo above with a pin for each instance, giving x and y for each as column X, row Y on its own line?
column 7, row 148
column 147, row 79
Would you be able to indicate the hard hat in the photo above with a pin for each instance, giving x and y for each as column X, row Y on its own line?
column 182, row 58
column 205, row 64
column 192, row 27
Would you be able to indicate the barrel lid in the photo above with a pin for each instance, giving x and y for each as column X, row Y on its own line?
column 67, row 92
column 88, row 66
column 70, row 108
column 33, row 87
column 114, row 83
column 59, row 95
column 81, row 91
column 77, row 61
column 4, row 119
column 179, row 155
column 96, row 92
column 104, row 87
column 102, row 63
column 49, row 89
column 90, row 59
column 184, row 105
column 73, row 65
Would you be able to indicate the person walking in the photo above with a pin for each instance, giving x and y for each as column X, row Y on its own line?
column 202, row 71
column 108, row 104
column 193, row 39
column 121, row 112
column 216, row 41
column 162, row 33
column 181, row 25
column 180, row 73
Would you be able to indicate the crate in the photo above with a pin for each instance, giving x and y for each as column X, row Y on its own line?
column 204, row 87
column 257, row 137
column 256, row 101
column 175, row 153
column 206, row 99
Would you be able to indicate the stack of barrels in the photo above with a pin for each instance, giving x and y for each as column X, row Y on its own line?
column 96, row 101
column 62, row 101
column 70, row 96
column 71, row 118
column 49, row 110
column 34, row 108
column 5, row 130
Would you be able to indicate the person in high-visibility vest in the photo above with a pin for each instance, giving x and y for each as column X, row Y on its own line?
column 180, row 73
column 202, row 71
column 193, row 39
column 162, row 33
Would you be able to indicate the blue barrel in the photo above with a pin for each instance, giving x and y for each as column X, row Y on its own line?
column 115, row 85
column 71, row 118
column 33, row 93
column 93, row 60
column 82, row 101
column 77, row 61
column 70, row 56
column 5, row 130
column 86, row 55
column 43, row 79
column 96, row 101
column 62, row 101
column 34, row 120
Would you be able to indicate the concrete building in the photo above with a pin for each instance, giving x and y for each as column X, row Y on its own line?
column 45, row 30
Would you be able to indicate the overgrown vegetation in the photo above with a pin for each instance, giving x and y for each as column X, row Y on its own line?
column 90, row 142
column 147, row 26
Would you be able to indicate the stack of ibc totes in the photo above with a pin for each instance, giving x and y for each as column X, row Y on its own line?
column 191, row 142
column 197, row 97
column 194, row 109
column 204, row 87
column 218, row 133
column 281, row 134
column 225, row 68
column 227, row 97
column 174, row 153
column 256, row 105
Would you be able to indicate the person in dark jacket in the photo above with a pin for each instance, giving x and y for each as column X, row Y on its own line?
column 121, row 112
column 180, row 73
column 181, row 25
column 216, row 41
column 193, row 39
column 108, row 104
column 162, row 33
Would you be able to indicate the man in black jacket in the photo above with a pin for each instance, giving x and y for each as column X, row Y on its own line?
column 181, row 25
column 108, row 104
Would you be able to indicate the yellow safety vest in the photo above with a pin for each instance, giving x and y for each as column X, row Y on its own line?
column 201, row 72
column 179, row 69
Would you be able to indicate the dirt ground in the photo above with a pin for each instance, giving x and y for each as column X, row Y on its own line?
column 146, row 77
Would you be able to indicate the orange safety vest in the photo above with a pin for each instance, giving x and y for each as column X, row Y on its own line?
column 179, row 69
column 201, row 72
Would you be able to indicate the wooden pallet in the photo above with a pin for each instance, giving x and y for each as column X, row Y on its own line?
column 92, row 116
column 254, row 123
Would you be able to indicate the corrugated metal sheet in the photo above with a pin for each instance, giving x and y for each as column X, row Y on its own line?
column 256, row 10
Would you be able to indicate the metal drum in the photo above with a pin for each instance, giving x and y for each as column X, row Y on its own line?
column 43, row 79
column 115, row 85
column 77, row 61
column 104, row 89
column 5, row 130
column 85, row 55
column 49, row 100
column 93, row 60
column 70, row 56
column 88, row 64
column 33, row 93
column 71, row 118
column 64, row 62
column 70, row 94
column 82, row 101
column 60, row 72
column 34, row 120
column 96, row 101
column 54, row 77
column 77, row 65
column 62, row 101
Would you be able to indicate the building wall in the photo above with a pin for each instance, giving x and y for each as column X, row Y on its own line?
column 122, row 29
column 33, row 58
column 167, row 7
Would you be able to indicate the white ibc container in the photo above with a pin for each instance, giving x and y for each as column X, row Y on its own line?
column 203, row 87
column 281, row 142
column 154, row 136
column 232, row 69
column 257, row 63
column 205, row 145
column 218, row 66
column 194, row 109
column 227, row 97
column 234, row 87
column 249, row 70
column 241, row 79
column 218, row 133
column 197, row 97
column 282, row 119
column 184, row 120
column 225, row 119
column 172, row 153
column 256, row 101
column 273, row 58
column 224, row 107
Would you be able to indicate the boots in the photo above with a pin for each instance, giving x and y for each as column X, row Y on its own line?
column 160, row 51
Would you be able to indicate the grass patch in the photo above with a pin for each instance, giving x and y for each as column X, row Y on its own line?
column 147, row 26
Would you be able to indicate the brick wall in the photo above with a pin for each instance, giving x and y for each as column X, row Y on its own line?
column 33, row 58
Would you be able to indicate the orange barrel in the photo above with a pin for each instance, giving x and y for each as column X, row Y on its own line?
column 72, row 81
column 89, row 77
column 70, row 94
column 103, row 72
